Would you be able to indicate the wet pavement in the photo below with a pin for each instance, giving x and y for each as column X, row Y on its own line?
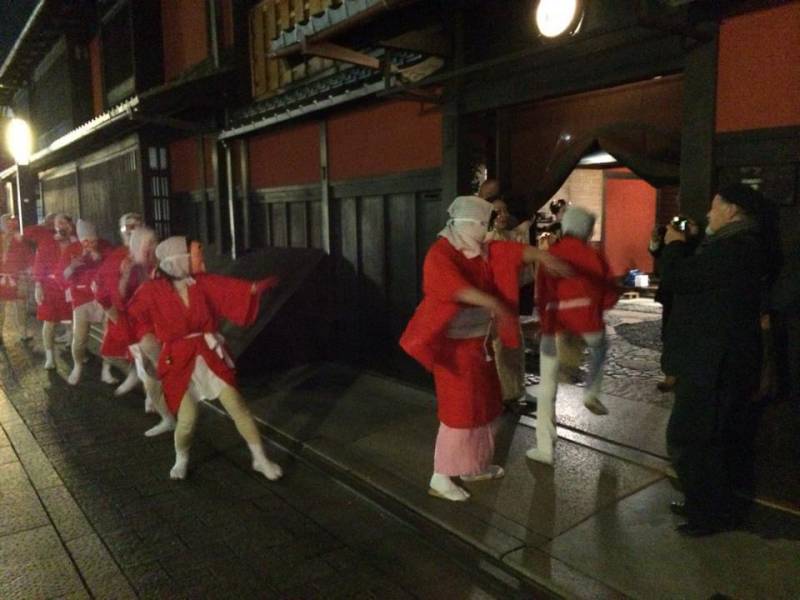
column 94, row 515
column 87, row 510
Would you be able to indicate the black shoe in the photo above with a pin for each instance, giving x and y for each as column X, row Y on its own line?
column 694, row 531
column 678, row 508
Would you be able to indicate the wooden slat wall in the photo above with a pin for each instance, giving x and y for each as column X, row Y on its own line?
column 108, row 190
column 60, row 194
column 382, row 228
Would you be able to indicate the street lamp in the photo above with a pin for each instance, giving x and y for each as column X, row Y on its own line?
column 19, row 142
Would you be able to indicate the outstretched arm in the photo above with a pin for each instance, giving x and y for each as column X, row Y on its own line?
column 553, row 265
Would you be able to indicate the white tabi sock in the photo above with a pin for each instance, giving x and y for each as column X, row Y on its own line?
column 75, row 376
column 181, row 465
column 49, row 361
column 441, row 486
column 105, row 374
column 263, row 465
column 130, row 382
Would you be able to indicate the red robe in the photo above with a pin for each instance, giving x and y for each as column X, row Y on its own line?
column 176, row 325
column 45, row 271
column 467, row 388
column 13, row 267
column 121, row 333
column 80, row 281
column 576, row 303
column 36, row 233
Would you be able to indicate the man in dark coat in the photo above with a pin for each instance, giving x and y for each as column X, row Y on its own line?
column 713, row 346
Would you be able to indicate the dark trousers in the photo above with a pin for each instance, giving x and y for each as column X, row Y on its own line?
column 709, row 440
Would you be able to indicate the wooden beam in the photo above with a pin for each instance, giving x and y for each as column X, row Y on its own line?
column 427, row 41
column 341, row 54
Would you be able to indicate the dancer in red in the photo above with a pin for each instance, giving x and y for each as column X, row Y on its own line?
column 471, row 294
column 113, row 288
column 184, row 311
column 16, row 260
column 79, row 264
column 52, row 305
column 573, row 305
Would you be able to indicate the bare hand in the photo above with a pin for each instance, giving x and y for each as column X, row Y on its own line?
column 555, row 266
column 673, row 235
column 112, row 314
column 38, row 294
column 76, row 262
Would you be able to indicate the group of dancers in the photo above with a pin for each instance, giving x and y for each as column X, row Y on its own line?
column 466, row 330
column 161, row 312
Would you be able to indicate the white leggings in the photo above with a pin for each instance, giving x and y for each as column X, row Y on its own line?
column 232, row 401
column 548, row 367
column 80, row 331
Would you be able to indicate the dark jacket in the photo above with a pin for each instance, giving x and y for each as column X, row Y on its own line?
column 714, row 328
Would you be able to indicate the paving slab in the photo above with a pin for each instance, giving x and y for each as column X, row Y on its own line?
column 634, row 546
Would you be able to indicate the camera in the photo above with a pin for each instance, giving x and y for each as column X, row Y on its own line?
column 680, row 223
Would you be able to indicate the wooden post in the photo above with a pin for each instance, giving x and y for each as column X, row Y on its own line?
column 244, row 173
column 327, row 233
column 231, row 197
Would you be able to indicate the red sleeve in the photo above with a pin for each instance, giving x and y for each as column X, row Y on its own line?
column 231, row 298
column 65, row 259
column 107, row 279
column 442, row 278
column 138, row 307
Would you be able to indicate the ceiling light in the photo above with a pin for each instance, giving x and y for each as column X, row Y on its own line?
column 556, row 17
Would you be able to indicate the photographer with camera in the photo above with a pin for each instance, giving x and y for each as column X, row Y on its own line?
column 712, row 345
column 687, row 226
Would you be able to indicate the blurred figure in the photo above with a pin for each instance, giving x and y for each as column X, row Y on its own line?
column 663, row 295
column 16, row 260
column 113, row 288
column 51, row 302
column 510, row 362
column 572, row 304
column 79, row 264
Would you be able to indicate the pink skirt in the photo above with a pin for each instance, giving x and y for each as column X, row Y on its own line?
column 464, row 451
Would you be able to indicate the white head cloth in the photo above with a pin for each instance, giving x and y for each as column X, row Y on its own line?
column 141, row 239
column 578, row 222
column 131, row 216
column 86, row 230
column 173, row 257
column 469, row 221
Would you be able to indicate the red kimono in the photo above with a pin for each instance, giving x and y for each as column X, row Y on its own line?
column 36, row 233
column 122, row 333
column 45, row 271
column 467, row 388
column 14, row 264
column 576, row 303
column 79, row 284
column 181, row 328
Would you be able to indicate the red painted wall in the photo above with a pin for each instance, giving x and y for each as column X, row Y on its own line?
column 184, row 166
column 389, row 137
column 185, row 35
column 758, row 82
column 629, row 216
column 96, row 67
column 285, row 156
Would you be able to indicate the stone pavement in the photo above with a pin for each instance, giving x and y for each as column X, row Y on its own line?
column 87, row 511
column 597, row 525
